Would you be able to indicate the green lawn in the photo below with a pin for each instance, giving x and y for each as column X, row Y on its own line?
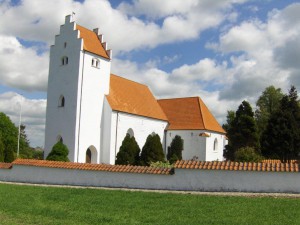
column 52, row 205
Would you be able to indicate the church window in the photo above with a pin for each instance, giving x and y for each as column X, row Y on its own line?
column 88, row 156
column 61, row 102
column 64, row 60
column 65, row 44
column 96, row 63
column 60, row 139
column 130, row 132
column 216, row 145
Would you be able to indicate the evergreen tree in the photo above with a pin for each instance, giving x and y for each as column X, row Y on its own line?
column 129, row 152
column 242, row 131
column 152, row 150
column 281, row 138
column 175, row 149
column 59, row 152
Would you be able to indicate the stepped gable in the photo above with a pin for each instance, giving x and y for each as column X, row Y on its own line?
column 96, row 167
column 92, row 43
column 237, row 166
column 134, row 98
column 189, row 114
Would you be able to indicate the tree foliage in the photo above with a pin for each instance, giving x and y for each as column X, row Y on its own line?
column 267, row 104
column 129, row 152
column 1, row 150
column 247, row 154
column 152, row 150
column 281, row 138
column 59, row 152
column 241, row 131
column 175, row 149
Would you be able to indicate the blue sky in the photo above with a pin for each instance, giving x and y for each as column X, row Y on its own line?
column 224, row 51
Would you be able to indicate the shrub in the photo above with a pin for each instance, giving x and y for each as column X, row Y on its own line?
column 59, row 152
column 247, row 154
column 175, row 149
column 160, row 164
column 129, row 152
column 152, row 150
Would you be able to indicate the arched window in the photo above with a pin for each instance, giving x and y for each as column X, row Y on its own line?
column 91, row 155
column 65, row 44
column 88, row 156
column 61, row 101
column 216, row 145
column 130, row 132
column 96, row 63
column 59, row 139
column 64, row 60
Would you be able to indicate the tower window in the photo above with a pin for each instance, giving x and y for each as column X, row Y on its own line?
column 64, row 60
column 61, row 102
column 65, row 44
column 96, row 63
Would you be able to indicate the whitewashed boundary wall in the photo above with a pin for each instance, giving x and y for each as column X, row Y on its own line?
column 183, row 179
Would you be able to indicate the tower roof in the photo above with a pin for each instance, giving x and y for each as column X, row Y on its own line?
column 91, row 42
column 134, row 98
column 189, row 114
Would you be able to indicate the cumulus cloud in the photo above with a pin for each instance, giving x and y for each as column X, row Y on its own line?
column 33, row 114
column 22, row 67
column 262, row 54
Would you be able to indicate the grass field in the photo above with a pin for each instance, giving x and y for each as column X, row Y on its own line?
column 53, row 205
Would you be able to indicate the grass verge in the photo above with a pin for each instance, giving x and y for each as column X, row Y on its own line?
column 52, row 205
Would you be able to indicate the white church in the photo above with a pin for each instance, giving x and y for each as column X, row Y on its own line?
column 91, row 110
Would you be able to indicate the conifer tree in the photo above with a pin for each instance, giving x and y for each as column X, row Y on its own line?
column 242, row 132
column 281, row 138
column 129, row 152
column 59, row 152
column 152, row 150
column 175, row 149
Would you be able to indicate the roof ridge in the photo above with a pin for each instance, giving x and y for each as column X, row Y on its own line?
column 177, row 98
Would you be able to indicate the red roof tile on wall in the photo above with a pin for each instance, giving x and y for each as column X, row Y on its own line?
column 244, row 166
column 134, row 98
column 5, row 165
column 96, row 167
column 189, row 114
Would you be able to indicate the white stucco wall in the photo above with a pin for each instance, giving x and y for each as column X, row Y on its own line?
column 84, row 88
column 197, row 146
column 141, row 126
column 95, row 85
column 183, row 179
column 63, row 80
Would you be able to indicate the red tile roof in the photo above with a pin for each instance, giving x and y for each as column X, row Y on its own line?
column 97, row 167
column 244, row 166
column 91, row 42
column 134, row 98
column 189, row 114
column 5, row 165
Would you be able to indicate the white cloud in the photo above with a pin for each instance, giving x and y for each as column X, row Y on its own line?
column 21, row 67
column 33, row 114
